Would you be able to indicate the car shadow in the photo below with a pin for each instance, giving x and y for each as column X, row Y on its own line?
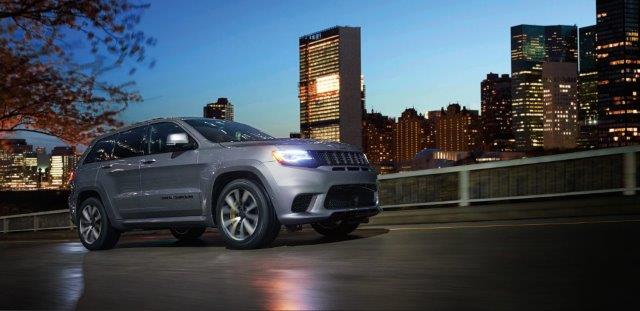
column 309, row 237
column 213, row 239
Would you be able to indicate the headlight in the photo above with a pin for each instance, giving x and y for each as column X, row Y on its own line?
column 294, row 157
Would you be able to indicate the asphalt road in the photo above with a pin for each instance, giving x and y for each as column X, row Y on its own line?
column 546, row 264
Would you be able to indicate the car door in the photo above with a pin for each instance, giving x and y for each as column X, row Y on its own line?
column 170, row 175
column 120, row 177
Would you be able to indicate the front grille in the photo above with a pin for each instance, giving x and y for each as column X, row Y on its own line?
column 301, row 202
column 334, row 158
column 349, row 196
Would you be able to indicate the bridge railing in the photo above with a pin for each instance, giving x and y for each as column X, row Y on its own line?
column 50, row 220
column 571, row 174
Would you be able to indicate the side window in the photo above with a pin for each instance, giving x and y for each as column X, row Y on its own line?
column 158, row 133
column 101, row 151
column 131, row 143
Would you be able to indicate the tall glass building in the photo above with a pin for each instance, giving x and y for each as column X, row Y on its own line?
column 330, row 88
column 618, row 66
column 495, row 104
column 588, row 89
column 531, row 46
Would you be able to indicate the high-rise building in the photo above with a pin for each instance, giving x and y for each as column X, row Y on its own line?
column 363, row 94
column 408, row 136
column 456, row 129
column 618, row 66
column 588, row 89
column 559, row 80
column 43, row 158
column 331, row 89
column 532, row 45
column 377, row 140
column 495, row 104
column 63, row 161
column 14, row 172
column 221, row 109
column 432, row 120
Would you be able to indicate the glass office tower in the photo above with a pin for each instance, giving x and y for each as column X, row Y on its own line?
column 330, row 88
column 531, row 46
column 618, row 66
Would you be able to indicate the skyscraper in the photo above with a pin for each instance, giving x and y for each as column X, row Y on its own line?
column 532, row 45
column 377, row 140
column 495, row 104
column 330, row 89
column 588, row 89
column 455, row 129
column 559, row 80
column 13, row 169
column 408, row 136
column 618, row 66
column 221, row 109
column 62, row 163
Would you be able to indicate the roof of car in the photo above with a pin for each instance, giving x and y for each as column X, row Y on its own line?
column 154, row 120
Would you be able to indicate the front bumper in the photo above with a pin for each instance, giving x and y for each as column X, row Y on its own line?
column 288, row 182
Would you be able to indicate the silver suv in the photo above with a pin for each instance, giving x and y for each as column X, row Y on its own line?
column 187, row 174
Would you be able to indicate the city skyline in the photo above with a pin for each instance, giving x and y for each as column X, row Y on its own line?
column 400, row 62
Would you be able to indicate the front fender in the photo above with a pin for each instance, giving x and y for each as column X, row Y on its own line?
column 254, row 167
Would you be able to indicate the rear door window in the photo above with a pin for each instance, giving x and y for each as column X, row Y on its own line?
column 131, row 143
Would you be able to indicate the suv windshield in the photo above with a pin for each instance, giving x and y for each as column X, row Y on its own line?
column 219, row 131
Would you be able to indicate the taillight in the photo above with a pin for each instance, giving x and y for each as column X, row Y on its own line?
column 72, row 177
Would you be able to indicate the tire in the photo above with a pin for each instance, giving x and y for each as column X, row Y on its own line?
column 94, row 228
column 245, row 225
column 188, row 234
column 335, row 229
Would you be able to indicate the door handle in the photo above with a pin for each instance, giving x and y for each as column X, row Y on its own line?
column 107, row 166
column 150, row 161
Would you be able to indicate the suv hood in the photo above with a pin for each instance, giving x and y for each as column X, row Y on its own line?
column 295, row 143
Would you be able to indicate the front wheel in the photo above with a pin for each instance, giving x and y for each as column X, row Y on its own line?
column 188, row 234
column 244, row 215
column 335, row 228
column 94, row 229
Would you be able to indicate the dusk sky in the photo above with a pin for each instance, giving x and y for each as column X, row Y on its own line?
column 421, row 54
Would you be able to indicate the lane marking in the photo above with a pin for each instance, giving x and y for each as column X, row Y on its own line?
column 517, row 225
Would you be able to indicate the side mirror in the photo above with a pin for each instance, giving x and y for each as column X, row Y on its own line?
column 177, row 139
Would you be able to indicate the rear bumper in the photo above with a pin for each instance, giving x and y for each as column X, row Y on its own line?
column 73, row 198
column 288, row 182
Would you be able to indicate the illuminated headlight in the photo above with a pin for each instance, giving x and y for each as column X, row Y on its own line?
column 294, row 157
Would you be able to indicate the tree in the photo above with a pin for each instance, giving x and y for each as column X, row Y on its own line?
column 43, row 86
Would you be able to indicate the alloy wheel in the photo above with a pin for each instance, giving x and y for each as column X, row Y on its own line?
column 239, row 214
column 90, row 224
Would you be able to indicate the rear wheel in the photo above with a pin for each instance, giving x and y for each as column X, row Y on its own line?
column 94, row 229
column 335, row 228
column 244, row 215
column 187, row 234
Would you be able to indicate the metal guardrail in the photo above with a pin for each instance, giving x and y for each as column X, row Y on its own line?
column 49, row 220
column 572, row 174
